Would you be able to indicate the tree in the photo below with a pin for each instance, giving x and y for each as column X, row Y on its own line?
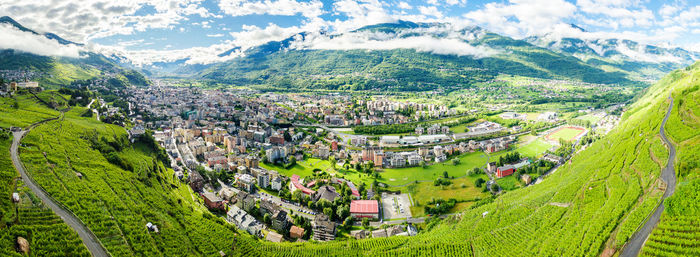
column 267, row 218
column 328, row 212
column 478, row 182
column 343, row 212
column 455, row 161
column 348, row 222
column 423, row 164
column 444, row 174
column 365, row 223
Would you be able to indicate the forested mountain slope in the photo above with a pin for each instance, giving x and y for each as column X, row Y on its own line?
column 56, row 71
column 302, row 61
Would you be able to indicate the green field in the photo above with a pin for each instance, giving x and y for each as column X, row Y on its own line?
column 462, row 189
column 677, row 232
column 534, row 149
column 590, row 117
column 29, row 111
column 403, row 176
column 565, row 133
column 302, row 168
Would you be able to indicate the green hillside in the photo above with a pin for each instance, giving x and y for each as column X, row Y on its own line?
column 276, row 65
column 123, row 187
column 678, row 232
column 46, row 233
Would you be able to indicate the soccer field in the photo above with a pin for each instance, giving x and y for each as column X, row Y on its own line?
column 566, row 133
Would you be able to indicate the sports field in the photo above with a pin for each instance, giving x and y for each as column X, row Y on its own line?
column 565, row 133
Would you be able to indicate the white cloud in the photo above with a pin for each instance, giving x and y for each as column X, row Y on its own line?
column 215, row 35
column 616, row 13
column 451, row 43
column 430, row 11
column 520, row 18
column 253, row 35
column 405, row 6
column 360, row 13
column 86, row 20
column 194, row 55
column 12, row 38
column 279, row 7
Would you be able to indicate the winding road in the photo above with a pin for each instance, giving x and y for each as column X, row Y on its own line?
column 668, row 174
column 89, row 239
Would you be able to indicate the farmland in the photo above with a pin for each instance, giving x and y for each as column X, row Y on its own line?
column 678, row 232
column 116, row 203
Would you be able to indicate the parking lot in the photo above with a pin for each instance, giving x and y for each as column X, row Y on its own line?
column 396, row 206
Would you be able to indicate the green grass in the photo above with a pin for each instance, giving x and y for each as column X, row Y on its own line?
column 423, row 192
column 566, row 133
column 401, row 176
column 590, row 117
column 534, row 149
column 29, row 111
column 302, row 168
column 509, row 183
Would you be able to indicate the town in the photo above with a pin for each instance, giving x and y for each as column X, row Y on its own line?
column 288, row 167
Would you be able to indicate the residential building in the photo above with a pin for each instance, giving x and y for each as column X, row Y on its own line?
column 212, row 201
column 279, row 220
column 324, row 228
column 243, row 221
column 296, row 232
column 263, row 179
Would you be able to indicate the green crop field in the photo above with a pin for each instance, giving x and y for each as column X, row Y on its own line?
column 116, row 203
column 29, row 110
column 678, row 232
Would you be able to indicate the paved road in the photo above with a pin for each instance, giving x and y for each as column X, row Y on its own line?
column 668, row 174
column 89, row 239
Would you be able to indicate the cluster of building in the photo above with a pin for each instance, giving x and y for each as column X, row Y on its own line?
column 11, row 87
column 22, row 75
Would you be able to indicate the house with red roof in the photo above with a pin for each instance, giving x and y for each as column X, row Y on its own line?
column 298, row 186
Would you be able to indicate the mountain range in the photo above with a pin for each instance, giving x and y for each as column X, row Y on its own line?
column 404, row 56
column 63, row 70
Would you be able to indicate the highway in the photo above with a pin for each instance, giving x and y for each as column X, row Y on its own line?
column 89, row 239
column 668, row 174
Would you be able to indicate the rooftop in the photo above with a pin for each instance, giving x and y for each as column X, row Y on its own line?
column 364, row 206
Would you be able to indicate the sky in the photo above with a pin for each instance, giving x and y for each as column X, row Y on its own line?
column 168, row 30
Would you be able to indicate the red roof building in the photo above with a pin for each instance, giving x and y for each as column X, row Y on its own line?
column 299, row 186
column 364, row 209
column 505, row 171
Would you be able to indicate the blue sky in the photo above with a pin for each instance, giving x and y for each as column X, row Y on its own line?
column 171, row 29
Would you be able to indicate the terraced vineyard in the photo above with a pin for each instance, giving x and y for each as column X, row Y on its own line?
column 116, row 203
column 46, row 233
column 678, row 232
